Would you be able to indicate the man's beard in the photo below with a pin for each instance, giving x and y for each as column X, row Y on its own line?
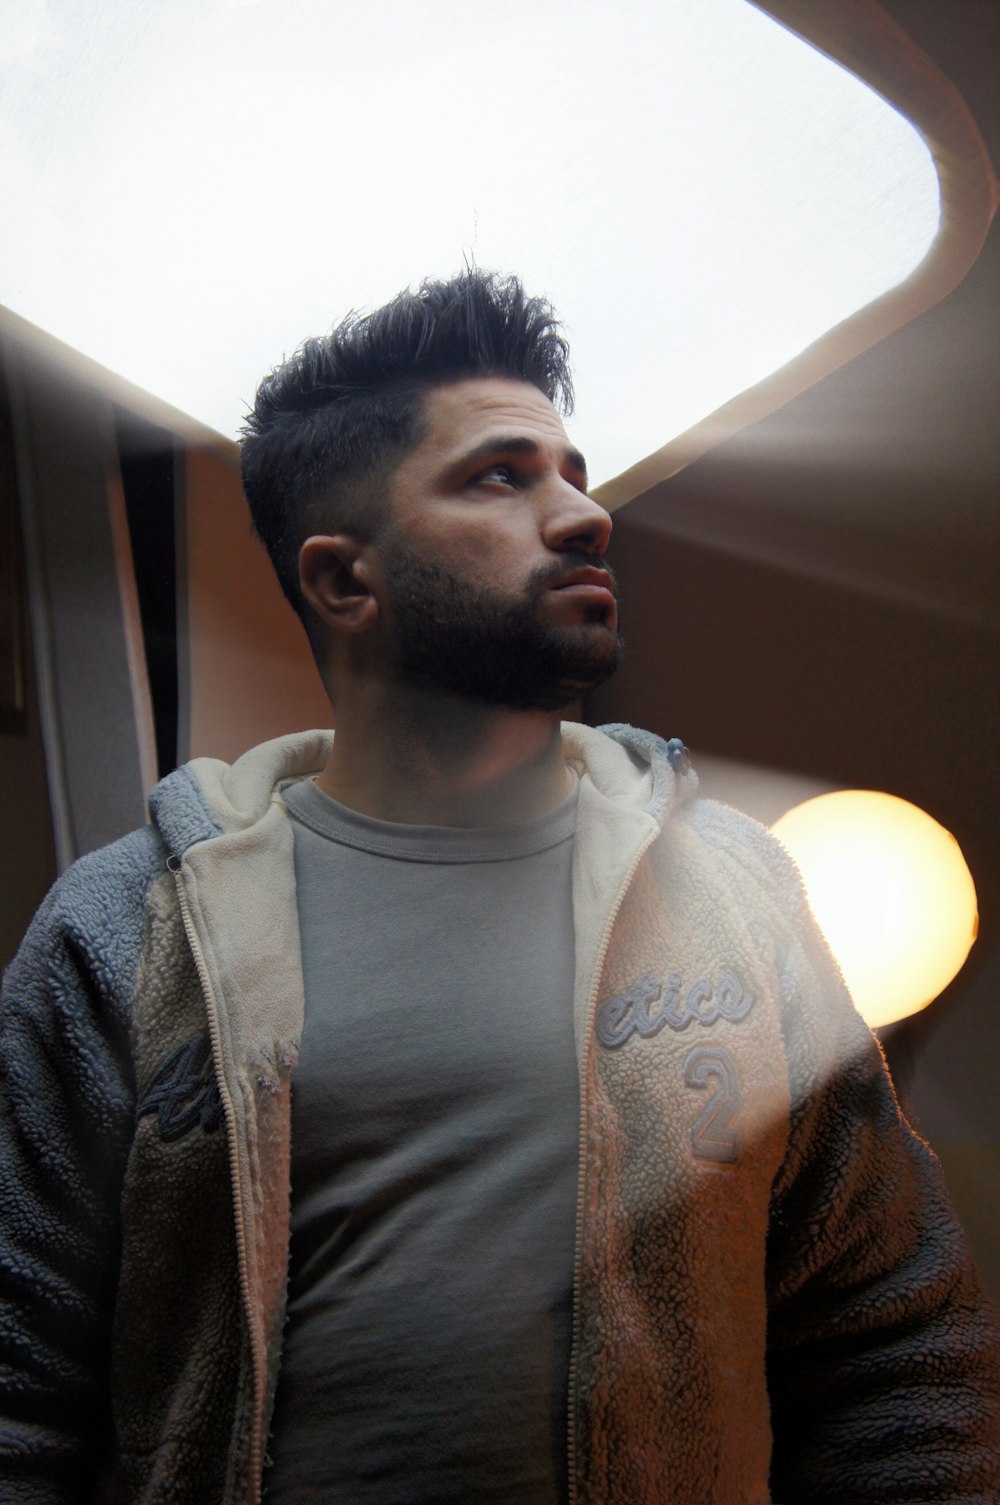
column 462, row 639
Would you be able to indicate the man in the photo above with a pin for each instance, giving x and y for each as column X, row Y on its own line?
column 456, row 1108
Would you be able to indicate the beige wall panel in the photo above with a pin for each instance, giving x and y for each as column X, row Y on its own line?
column 246, row 673
column 86, row 634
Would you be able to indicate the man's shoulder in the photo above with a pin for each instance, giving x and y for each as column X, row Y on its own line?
column 732, row 830
column 744, row 853
column 95, row 909
column 102, row 879
column 729, row 829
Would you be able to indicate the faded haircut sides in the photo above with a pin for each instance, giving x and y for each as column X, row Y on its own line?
column 330, row 424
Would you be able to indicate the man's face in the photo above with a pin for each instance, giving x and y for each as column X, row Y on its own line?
column 494, row 581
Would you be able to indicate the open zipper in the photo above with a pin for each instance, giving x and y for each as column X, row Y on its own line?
column 212, row 1012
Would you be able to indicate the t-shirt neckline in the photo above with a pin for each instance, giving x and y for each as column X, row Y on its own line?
column 311, row 807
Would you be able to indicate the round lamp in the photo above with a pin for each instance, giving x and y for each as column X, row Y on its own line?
column 891, row 892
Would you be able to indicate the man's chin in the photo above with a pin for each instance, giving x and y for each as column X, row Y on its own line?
column 573, row 684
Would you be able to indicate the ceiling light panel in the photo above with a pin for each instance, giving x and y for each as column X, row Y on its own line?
column 192, row 188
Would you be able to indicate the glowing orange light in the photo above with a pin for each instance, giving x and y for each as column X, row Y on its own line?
column 892, row 893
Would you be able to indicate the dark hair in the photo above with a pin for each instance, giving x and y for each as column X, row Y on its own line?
column 329, row 425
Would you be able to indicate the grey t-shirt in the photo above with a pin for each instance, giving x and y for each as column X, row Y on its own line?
column 434, row 1164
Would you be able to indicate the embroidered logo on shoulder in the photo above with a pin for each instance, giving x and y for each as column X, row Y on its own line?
column 647, row 1006
column 183, row 1091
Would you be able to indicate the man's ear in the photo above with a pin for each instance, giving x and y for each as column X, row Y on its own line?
column 335, row 576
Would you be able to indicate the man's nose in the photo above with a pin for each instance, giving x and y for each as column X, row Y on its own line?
column 575, row 520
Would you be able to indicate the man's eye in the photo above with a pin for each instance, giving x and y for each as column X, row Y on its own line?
column 496, row 472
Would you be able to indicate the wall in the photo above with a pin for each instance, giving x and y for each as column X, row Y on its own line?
column 246, row 673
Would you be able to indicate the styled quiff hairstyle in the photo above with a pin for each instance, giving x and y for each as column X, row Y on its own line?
column 329, row 426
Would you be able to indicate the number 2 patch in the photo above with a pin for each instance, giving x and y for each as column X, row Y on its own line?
column 710, row 1067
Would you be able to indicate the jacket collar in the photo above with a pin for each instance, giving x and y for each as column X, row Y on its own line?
column 207, row 798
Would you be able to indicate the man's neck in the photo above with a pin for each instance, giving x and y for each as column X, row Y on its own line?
column 424, row 759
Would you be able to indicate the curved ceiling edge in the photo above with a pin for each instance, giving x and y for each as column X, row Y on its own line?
column 861, row 37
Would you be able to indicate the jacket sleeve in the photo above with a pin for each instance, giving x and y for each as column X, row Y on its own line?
column 66, row 1116
column 883, row 1364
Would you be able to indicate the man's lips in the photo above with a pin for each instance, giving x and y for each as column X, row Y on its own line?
column 593, row 583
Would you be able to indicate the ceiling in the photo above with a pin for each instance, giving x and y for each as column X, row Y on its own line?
column 202, row 183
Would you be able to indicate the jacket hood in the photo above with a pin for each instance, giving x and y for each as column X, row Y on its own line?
column 207, row 798
column 634, row 766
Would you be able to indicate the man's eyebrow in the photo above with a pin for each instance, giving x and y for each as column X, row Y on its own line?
column 511, row 444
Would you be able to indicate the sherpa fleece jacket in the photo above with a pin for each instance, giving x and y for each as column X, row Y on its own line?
column 772, row 1298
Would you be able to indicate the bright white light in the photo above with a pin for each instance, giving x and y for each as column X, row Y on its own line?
column 892, row 894
column 192, row 187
